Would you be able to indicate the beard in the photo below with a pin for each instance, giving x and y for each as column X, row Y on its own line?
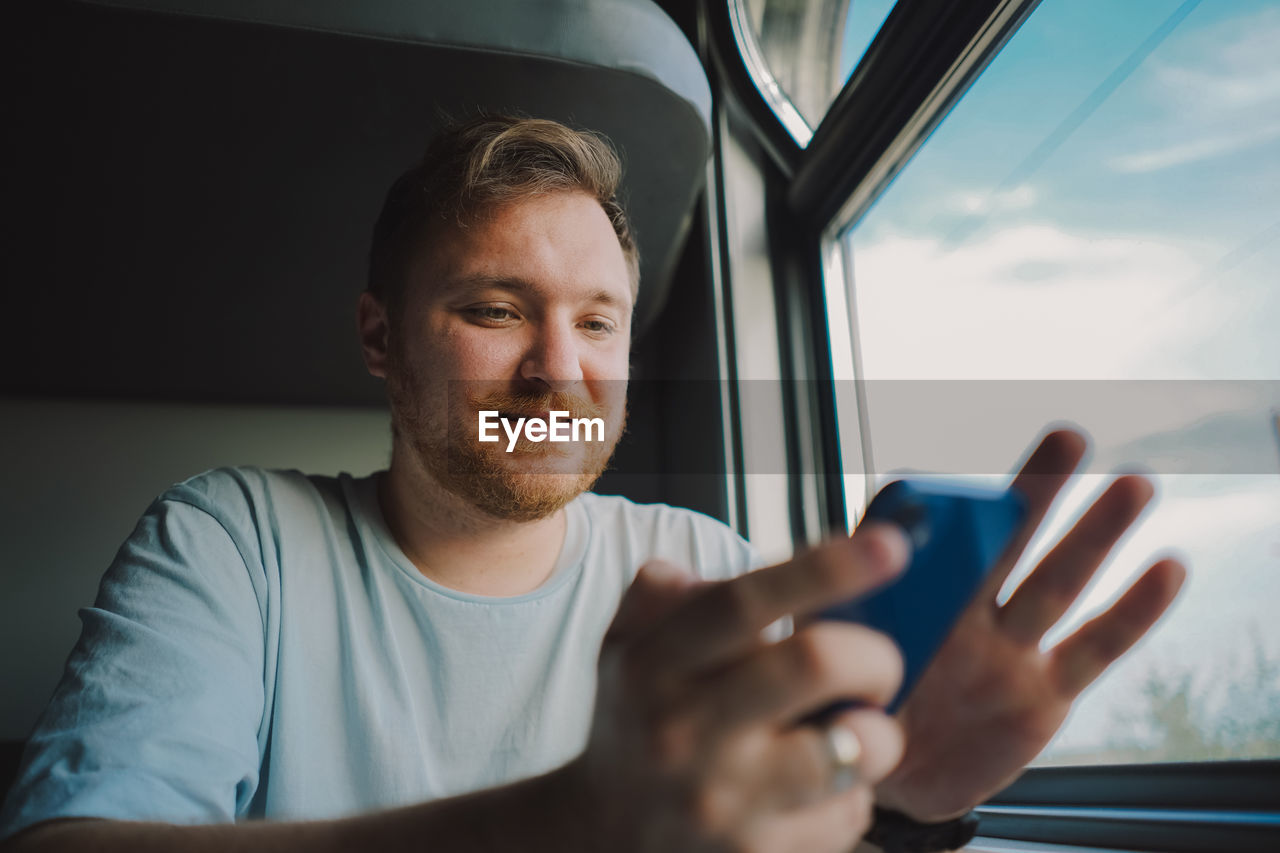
column 531, row 482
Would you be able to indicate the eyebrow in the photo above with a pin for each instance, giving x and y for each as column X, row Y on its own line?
column 520, row 285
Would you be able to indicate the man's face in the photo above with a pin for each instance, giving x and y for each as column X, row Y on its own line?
column 525, row 311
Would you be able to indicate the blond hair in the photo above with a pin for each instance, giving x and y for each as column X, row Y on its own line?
column 477, row 165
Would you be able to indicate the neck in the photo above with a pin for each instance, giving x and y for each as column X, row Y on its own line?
column 459, row 546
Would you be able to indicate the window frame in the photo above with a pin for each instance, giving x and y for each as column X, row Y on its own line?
column 1182, row 806
column 917, row 68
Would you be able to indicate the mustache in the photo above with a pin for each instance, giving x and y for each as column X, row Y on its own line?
column 536, row 405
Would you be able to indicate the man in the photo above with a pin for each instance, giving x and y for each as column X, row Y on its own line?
column 470, row 651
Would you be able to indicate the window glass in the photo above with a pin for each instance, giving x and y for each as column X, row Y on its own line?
column 801, row 52
column 1092, row 236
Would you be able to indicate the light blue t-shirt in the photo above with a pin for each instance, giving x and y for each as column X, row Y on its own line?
column 261, row 647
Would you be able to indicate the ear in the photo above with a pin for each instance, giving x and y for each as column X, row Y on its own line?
column 371, row 323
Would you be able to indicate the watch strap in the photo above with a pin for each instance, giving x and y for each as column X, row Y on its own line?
column 894, row 832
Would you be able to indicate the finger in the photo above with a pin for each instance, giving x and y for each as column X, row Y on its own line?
column 1041, row 478
column 725, row 620
column 1042, row 598
column 799, row 769
column 834, row 824
column 809, row 670
column 1082, row 657
column 656, row 589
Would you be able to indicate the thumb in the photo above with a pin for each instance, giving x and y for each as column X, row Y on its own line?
column 657, row 588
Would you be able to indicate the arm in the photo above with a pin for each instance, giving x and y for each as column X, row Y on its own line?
column 693, row 746
column 160, row 711
column 536, row 815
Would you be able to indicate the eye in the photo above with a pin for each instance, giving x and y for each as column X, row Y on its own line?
column 599, row 327
column 493, row 315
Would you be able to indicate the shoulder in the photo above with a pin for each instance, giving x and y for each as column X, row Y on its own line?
column 249, row 496
column 236, row 487
column 660, row 531
column 260, row 509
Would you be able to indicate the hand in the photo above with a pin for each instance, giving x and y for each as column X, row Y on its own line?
column 991, row 700
column 695, row 745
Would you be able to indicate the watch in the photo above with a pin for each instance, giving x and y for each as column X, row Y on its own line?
column 894, row 832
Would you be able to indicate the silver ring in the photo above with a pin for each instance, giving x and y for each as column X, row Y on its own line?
column 844, row 752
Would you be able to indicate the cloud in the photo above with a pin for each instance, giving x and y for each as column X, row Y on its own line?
column 975, row 203
column 1196, row 150
column 1220, row 91
column 1231, row 66
column 1227, row 442
column 1032, row 301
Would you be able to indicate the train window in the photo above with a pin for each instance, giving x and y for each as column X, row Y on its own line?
column 801, row 54
column 1091, row 235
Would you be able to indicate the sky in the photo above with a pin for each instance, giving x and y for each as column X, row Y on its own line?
column 1103, row 205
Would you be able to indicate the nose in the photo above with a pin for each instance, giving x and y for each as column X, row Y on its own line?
column 553, row 357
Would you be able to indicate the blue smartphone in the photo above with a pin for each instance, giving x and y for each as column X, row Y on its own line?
column 957, row 533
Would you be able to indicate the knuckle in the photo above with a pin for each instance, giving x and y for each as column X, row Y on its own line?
column 810, row 654
column 673, row 741
column 851, row 655
column 737, row 603
column 880, row 655
column 713, row 811
column 895, row 665
column 880, row 642
column 829, row 565
column 882, row 738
